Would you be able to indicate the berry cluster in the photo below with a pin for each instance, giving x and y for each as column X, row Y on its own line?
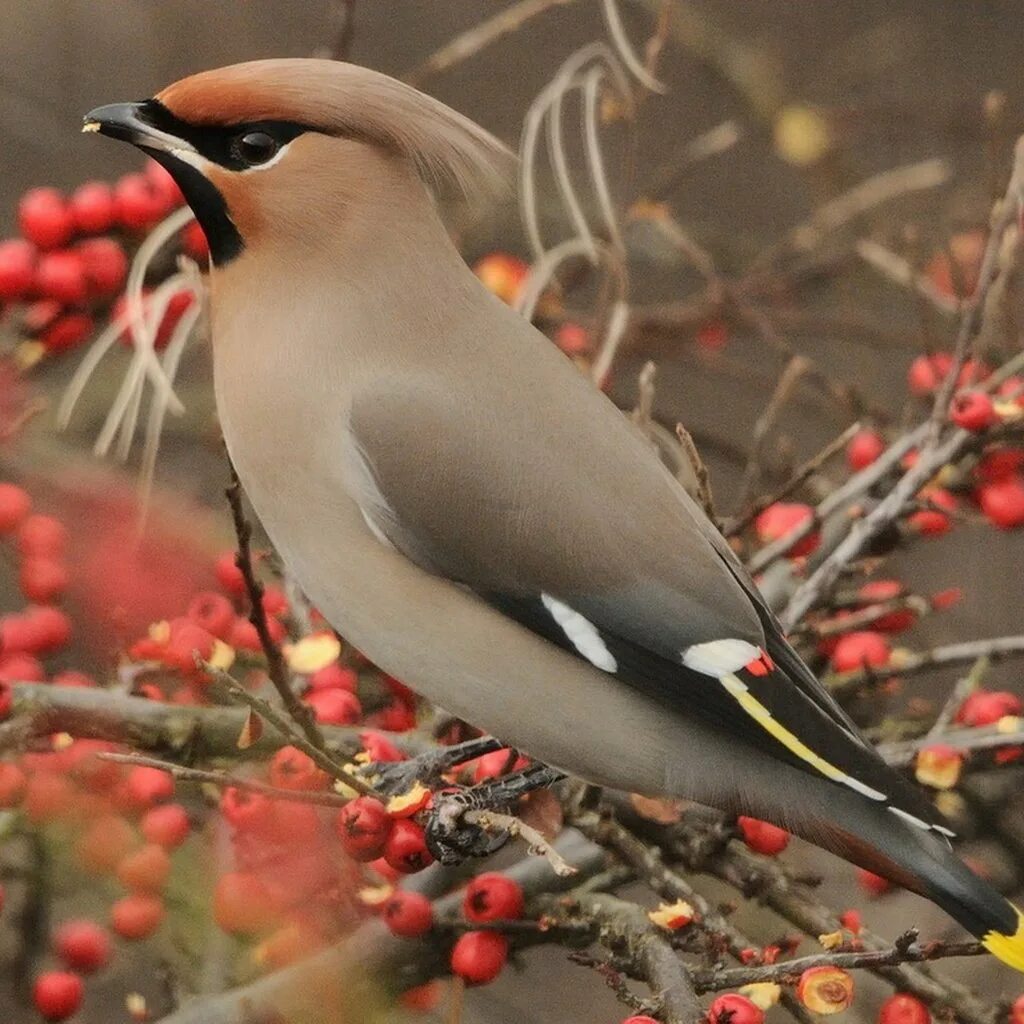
column 66, row 272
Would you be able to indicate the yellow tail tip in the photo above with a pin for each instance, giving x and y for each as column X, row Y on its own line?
column 1008, row 948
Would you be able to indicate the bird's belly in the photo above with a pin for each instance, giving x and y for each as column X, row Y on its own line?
column 479, row 665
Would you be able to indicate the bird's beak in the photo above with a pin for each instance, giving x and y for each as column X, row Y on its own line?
column 136, row 123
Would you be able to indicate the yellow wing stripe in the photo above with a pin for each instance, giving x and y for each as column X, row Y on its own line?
column 760, row 714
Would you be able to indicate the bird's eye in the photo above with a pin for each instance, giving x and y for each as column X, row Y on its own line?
column 254, row 148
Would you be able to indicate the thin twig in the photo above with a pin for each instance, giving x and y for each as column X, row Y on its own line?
column 226, row 780
column 799, row 477
column 494, row 821
column 287, row 727
column 479, row 37
column 788, row 972
column 908, row 663
column 277, row 669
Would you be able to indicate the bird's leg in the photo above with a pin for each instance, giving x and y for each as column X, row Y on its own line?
column 395, row 777
column 451, row 839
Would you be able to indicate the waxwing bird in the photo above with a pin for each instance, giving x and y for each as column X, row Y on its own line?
column 467, row 509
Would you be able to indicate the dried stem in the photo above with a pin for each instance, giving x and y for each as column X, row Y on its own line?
column 277, row 669
column 227, row 779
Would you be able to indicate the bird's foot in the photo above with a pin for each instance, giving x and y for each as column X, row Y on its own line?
column 451, row 838
column 393, row 778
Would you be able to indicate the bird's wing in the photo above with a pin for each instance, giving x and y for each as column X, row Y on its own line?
column 586, row 541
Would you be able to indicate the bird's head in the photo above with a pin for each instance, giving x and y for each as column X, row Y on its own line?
column 277, row 145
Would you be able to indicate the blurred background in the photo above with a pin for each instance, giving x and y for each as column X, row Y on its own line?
column 894, row 84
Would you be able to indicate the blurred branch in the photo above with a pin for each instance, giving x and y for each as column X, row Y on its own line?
column 342, row 31
column 189, row 733
column 479, row 37
column 910, row 663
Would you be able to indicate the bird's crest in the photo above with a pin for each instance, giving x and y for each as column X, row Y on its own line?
column 346, row 100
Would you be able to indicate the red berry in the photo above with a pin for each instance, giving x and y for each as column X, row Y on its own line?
column 163, row 184
column 1017, row 1011
column 1000, row 463
column 782, row 518
column 19, row 668
column 58, row 994
column 478, row 957
column 363, row 826
column 408, row 914
column 92, row 208
column 927, row 372
column 40, row 315
column 15, row 505
column 61, row 276
column 44, row 218
column 229, row 576
column 274, row 601
column 70, row 677
column 193, row 241
column 147, row 786
column 178, row 303
column 573, row 339
column 405, row 847
column 933, row 522
column 12, row 784
column 104, row 843
column 860, row 649
column 17, row 269
column 334, row 677
column 986, row 707
column 187, row 643
column 83, row 945
column 497, row 763
column 864, row 448
column 242, row 904
column 972, row 410
column 492, row 897
column 762, row 836
column 6, row 698
column 290, row 768
column 138, row 205
column 42, row 579
column 106, row 266
column 880, row 591
column 733, row 1008
column 145, row 870
column 166, row 825
column 874, row 885
column 244, row 809
column 851, row 920
column 334, row 707
column 67, row 332
column 712, row 335
column 903, row 1008
column 48, row 628
column 42, row 537
column 137, row 916
column 379, row 748
column 1002, row 501
column 212, row 612
column 503, row 274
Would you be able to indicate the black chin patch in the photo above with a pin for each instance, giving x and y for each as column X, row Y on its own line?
column 207, row 204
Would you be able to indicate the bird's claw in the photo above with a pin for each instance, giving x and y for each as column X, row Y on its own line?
column 450, row 838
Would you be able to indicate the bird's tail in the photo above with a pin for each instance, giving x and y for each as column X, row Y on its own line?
column 926, row 864
column 870, row 835
column 975, row 904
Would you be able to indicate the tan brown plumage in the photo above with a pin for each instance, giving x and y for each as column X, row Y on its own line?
column 470, row 512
